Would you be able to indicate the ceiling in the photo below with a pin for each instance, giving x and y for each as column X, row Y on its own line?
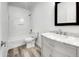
column 26, row 5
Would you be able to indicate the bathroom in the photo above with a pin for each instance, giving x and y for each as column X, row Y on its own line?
column 25, row 26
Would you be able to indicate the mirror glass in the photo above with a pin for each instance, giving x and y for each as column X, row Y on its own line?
column 66, row 12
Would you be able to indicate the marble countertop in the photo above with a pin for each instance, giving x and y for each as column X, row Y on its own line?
column 63, row 38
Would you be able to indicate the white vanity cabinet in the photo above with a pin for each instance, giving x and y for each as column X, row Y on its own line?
column 52, row 48
column 46, row 48
column 64, row 50
column 47, row 51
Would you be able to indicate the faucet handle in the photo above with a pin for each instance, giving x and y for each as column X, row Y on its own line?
column 65, row 33
column 60, row 31
column 3, row 43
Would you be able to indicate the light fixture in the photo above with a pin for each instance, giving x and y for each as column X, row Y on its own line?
column 21, row 21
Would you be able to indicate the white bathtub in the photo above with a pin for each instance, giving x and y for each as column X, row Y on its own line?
column 17, row 42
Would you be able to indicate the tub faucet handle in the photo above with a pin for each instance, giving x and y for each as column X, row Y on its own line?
column 3, row 43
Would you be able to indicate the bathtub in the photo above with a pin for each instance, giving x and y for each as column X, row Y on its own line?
column 17, row 42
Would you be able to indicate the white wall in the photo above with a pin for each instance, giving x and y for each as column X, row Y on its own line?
column 4, row 20
column 0, row 23
column 3, row 26
column 16, row 29
column 41, row 17
column 43, row 20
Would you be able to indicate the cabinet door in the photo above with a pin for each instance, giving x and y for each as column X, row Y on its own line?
column 48, row 41
column 46, row 47
column 58, row 54
column 62, row 49
column 77, row 51
column 46, row 51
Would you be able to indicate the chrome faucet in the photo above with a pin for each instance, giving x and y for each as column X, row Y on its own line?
column 30, row 31
column 60, row 32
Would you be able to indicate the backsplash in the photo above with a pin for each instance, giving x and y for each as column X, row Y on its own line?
column 59, row 31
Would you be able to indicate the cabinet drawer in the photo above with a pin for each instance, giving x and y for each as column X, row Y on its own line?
column 65, row 49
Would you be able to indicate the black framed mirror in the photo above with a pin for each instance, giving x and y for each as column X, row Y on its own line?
column 66, row 13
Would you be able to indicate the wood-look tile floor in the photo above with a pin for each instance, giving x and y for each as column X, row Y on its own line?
column 22, row 51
